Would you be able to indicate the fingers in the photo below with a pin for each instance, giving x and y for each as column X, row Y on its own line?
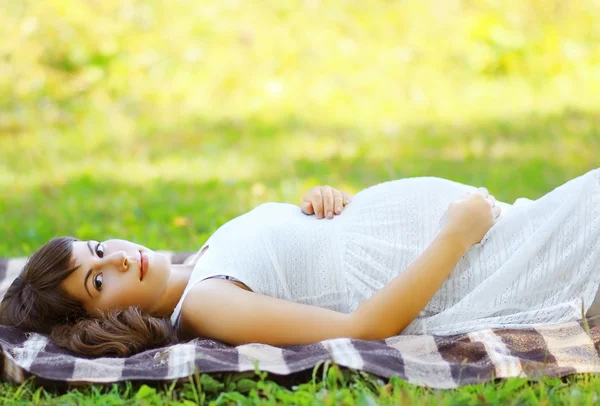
column 347, row 198
column 496, row 210
column 324, row 201
column 328, row 201
column 338, row 201
column 483, row 191
column 317, row 203
column 307, row 207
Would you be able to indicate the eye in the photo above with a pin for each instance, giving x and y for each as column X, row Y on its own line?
column 100, row 250
column 97, row 281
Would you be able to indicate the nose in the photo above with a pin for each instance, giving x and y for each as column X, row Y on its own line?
column 119, row 260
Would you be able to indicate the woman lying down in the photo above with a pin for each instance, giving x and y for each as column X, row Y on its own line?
column 421, row 255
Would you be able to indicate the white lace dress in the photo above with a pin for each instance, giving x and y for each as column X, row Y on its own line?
column 534, row 266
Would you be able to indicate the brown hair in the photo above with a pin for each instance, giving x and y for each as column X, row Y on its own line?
column 35, row 302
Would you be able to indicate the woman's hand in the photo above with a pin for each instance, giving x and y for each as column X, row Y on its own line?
column 324, row 200
column 470, row 217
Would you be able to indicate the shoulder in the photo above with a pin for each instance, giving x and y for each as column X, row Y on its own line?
column 203, row 298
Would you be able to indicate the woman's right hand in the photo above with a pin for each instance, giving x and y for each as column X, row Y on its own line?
column 471, row 216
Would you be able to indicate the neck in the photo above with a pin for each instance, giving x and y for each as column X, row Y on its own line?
column 178, row 279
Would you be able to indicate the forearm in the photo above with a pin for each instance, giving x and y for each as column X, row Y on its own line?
column 391, row 309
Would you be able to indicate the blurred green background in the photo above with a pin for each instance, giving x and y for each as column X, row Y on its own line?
column 158, row 121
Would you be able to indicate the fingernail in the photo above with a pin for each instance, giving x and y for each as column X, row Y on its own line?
column 320, row 215
column 338, row 210
column 329, row 214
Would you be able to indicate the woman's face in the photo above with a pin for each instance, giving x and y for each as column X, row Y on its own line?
column 109, row 275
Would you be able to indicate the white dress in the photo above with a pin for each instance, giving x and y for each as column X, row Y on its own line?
column 534, row 266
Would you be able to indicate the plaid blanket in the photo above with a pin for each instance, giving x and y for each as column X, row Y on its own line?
column 432, row 361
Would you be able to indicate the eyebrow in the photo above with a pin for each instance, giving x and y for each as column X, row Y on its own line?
column 89, row 272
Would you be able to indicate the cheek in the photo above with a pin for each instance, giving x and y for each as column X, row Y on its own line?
column 121, row 291
column 125, row 295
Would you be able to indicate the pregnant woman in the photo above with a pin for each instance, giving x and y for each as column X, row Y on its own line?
column 410, row 256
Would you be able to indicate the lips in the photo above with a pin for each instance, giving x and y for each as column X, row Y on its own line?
column 143, row 265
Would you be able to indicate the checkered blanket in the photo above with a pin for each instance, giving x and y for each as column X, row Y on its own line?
column 425, row 360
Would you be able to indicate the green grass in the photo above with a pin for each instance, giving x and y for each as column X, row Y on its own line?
column 327, row 384
column 158, row 121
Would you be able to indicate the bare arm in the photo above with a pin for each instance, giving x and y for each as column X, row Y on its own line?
column 391, row 309
column 219, row 310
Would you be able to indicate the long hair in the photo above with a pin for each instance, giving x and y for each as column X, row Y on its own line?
column 35, row 302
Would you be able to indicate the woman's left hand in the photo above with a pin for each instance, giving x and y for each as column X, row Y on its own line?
column 324, row 200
